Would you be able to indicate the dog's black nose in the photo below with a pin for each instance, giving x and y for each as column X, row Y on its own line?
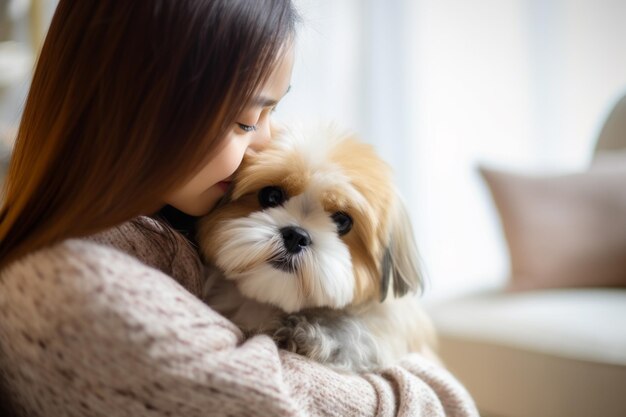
column 295, row 238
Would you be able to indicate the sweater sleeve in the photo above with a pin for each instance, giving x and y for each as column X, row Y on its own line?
column 88, row 330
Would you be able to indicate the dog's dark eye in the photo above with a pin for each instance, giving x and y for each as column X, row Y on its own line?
column 343, row 222
column 271, row 197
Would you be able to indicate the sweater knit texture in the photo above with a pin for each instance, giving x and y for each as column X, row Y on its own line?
column 112, row 326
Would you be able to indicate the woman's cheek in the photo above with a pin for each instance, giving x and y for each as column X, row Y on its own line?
column 234, row 156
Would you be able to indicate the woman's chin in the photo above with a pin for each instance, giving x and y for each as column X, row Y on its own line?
column 202, row 204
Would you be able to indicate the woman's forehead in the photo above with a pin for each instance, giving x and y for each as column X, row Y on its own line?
column 278, row 83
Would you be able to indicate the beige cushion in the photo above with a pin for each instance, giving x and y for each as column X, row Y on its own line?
column 564, row 230
column 613, row 134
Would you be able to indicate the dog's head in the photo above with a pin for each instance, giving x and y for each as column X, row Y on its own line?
column 314, row 220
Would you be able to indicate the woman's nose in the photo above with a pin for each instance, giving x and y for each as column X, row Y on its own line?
column 261, row 137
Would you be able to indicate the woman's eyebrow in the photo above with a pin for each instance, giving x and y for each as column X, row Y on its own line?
column 263, row 101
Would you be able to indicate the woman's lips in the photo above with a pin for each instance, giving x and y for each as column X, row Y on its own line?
column 224, row 185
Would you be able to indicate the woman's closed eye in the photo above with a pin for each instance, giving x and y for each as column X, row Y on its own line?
column 247, row 128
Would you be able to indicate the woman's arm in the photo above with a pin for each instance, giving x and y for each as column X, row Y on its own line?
column 88, row 330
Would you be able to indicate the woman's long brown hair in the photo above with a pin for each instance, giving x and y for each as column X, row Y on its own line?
column 127, row 100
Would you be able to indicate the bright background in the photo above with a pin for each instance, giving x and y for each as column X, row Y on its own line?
column 440, row 86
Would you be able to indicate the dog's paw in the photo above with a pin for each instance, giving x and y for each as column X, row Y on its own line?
column 338, row 342
column 296, row 334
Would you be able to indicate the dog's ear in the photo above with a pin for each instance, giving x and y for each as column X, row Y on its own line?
column 400, row 260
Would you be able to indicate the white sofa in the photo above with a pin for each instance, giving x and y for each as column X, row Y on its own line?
column 542, row 353
column 545, row 353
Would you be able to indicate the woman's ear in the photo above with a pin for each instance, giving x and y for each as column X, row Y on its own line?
column 400, row 264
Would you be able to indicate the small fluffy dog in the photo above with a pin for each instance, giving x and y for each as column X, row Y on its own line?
column 312, row 246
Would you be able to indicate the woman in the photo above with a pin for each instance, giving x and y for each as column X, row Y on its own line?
column 135, row 105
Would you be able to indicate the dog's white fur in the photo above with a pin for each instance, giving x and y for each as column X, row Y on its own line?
column 332, row 302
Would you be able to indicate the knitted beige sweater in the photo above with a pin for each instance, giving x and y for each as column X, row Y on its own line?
column 110, row 326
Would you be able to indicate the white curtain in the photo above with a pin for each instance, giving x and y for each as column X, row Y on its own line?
column 440, row 86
